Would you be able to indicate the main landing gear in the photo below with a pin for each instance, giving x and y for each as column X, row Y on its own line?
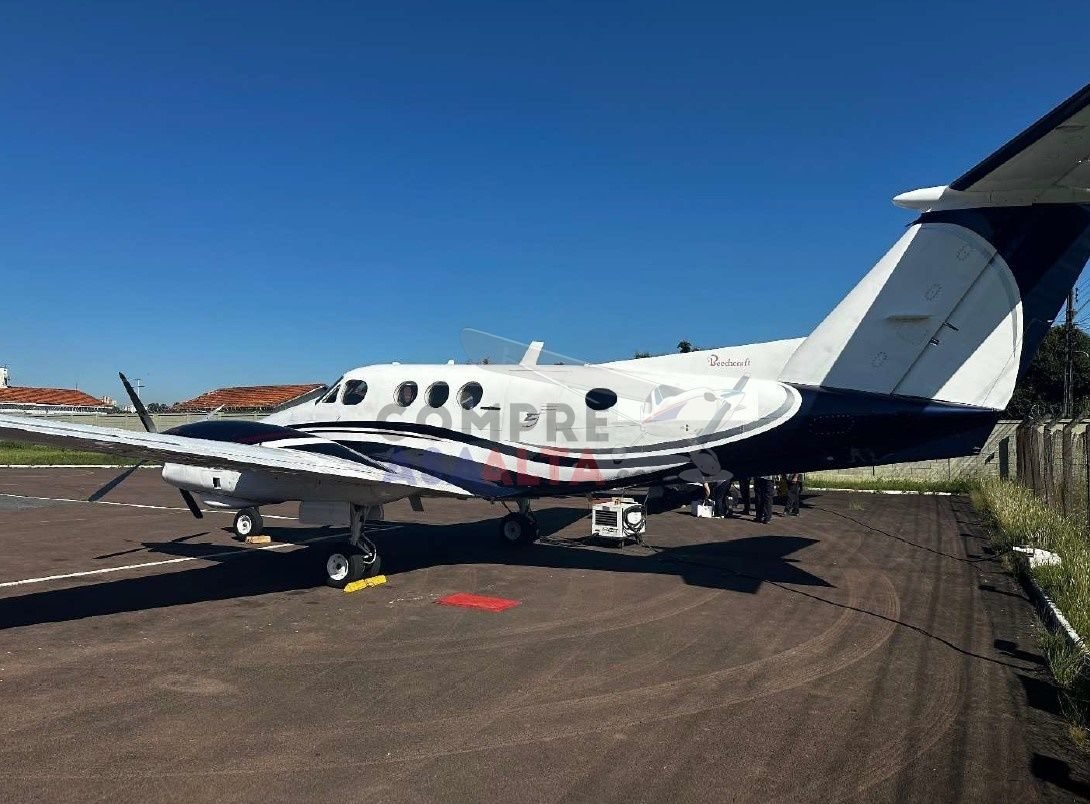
column 248, row 522
column 355, row 559
column 519, row 528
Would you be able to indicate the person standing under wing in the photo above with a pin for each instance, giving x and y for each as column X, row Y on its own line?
column 765, row 488
column 743, row 489
column 794, row 493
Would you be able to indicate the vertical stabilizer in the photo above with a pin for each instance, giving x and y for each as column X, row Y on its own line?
column 957, row 307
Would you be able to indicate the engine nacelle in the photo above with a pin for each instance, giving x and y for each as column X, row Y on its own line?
column 219, row 488
column 230, row 488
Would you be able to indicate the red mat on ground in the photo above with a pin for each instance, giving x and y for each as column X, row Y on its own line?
column 468, row 601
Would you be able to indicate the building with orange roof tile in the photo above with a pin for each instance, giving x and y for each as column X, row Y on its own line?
column 249, row 399
column 16, row 399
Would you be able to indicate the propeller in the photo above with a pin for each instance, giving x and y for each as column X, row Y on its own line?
column 191, row 504
column 149, row 425
column 141, row 411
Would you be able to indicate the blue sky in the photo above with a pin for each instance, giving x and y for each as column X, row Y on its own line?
column 207, row 194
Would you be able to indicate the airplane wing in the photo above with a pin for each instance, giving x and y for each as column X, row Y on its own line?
column 217, row 454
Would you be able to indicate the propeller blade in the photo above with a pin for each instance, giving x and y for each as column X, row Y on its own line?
column 191, row 504
column 113, row 484
column 141, row 411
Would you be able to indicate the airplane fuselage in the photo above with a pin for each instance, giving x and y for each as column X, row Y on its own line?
column 531, row 431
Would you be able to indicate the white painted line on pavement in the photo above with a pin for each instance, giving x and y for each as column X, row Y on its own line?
column 136, row 505
column 77, row 466
column 237, row 553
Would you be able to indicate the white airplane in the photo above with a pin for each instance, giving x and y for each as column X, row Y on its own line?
column 917, row 362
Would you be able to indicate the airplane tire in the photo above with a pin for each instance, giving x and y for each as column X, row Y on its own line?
column 248, row 522
column 345, row 564
column 518, row 529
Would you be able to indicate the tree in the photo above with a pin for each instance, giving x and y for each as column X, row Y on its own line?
column 1040, row 392
column 157, row 407
column 641, row 354
column 685, row 347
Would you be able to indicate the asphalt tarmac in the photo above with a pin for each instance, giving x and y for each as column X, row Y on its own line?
column 870, row 650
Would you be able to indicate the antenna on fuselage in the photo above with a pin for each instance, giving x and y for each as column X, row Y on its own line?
column 533, row 352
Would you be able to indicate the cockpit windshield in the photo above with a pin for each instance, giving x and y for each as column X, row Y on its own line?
column 331, row 394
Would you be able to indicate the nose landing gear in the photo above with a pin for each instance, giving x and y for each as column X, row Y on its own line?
column 519, row 528
column 248, row 522
column 355, row 559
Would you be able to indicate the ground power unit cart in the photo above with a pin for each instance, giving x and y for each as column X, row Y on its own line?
column 618, row 520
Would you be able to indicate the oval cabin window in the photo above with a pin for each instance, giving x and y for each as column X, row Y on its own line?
column 601, row 399
column 470, row 395
column 406, row 394
column 437, row 394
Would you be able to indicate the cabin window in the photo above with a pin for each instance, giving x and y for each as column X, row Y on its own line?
column 332, row 395
column 438, row 393
column 406, row 393
column 354, row 392
column 470, row 395
column 601, row 399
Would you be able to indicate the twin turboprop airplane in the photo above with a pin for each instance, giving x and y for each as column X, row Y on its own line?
column 916, row 362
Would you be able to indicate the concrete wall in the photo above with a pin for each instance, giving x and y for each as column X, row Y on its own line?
column 130, row 421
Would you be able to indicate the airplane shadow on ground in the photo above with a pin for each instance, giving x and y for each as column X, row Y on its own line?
column 1057, row 772
column 739, row 565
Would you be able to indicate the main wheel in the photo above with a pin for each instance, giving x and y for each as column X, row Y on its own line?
column 248, row 522
column 345, row 564
column 518, row 529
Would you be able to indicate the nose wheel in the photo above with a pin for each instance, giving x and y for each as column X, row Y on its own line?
column 355, row 559
column 346, row 563
column 519, row 527
column 248, row 522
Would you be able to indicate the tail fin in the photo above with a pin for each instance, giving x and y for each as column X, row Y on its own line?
column 957, row 308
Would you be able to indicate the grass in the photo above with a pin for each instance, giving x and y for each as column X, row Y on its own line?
column 1019, row 517
column 1070, row 670
column 922, row 485
column 1068, row 663
column 13, row 452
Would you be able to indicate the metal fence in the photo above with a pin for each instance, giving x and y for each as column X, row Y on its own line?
column 1053, row 459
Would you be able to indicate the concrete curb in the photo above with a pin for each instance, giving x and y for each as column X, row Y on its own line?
column 1046, row 608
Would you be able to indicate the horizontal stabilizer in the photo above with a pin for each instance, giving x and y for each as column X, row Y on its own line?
column 1048, row 163
column 1052, row 152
